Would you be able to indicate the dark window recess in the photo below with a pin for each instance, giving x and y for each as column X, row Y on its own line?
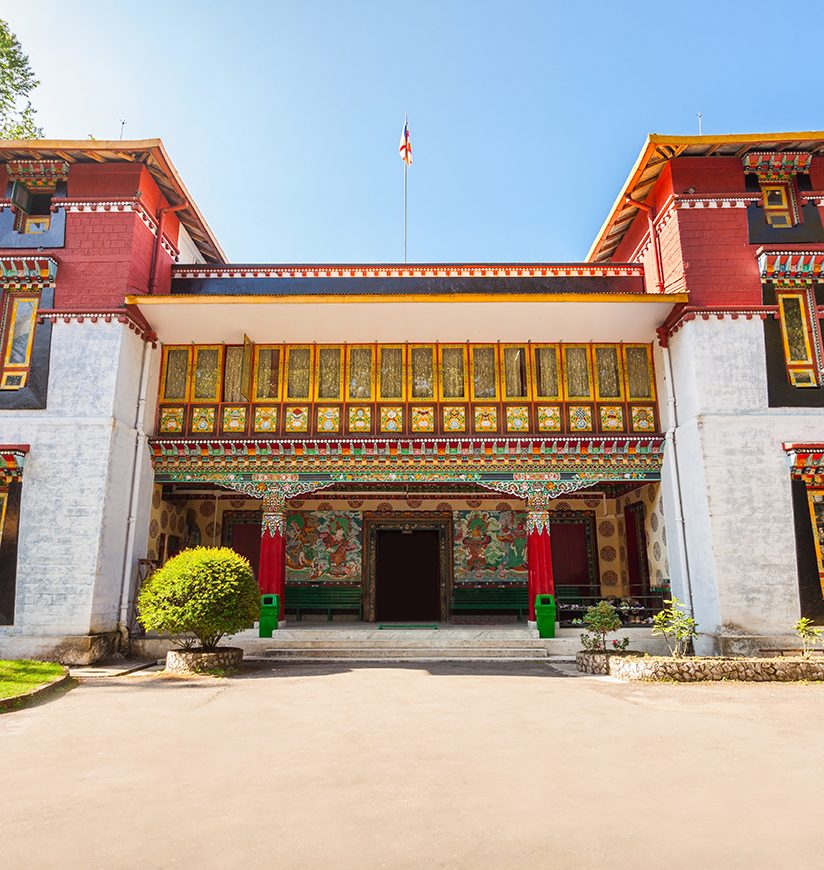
column 8, row 554
column 809, row 585
column 32, row 223
column 809, row 229
column 780, row 392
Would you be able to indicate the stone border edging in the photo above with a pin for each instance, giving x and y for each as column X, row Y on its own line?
column 182, row 661
column 11, row 703
column 692, row 670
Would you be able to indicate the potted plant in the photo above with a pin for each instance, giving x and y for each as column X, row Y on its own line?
column 205, row 593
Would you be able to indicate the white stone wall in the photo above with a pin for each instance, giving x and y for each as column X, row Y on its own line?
column 76, row 486
column 735, row 482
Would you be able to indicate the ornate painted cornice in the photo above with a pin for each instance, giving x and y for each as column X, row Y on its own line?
column 27, row 273
column 806, row 461
column 682, row 314
column 130, row 316
column 791, row 266
column 777, row 165
column 12, row 457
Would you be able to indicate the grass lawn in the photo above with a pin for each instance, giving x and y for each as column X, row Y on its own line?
column 21, row 676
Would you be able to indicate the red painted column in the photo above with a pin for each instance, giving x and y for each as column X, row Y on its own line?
column 540, row 580
column 272, row 568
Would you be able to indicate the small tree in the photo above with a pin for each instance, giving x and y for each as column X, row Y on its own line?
column 809, row 635
column 206, row 591
column 17, row 81
column 600, row 620
column 676, row 627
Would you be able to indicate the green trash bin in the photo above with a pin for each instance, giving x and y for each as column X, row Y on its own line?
column 545, row 615
column 269, row 614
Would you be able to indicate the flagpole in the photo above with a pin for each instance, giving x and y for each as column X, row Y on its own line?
column 405, row 166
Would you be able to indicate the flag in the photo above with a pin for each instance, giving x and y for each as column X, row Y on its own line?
column 405, row 149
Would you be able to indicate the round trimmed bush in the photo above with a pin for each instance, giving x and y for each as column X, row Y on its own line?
column 206, row 591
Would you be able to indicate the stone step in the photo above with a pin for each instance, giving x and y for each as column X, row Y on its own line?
column 399, row 653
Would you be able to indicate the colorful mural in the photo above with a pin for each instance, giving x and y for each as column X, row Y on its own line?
column 323, row 547
column 490, row 546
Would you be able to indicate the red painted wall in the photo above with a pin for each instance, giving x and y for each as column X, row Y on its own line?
column 107, row 255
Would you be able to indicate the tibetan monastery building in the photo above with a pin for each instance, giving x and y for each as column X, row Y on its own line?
column 433, row 442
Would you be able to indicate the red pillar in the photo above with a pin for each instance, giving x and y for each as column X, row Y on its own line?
column 538, row 557
column 272, row 569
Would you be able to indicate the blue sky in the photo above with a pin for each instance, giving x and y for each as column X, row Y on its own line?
column 284, row 117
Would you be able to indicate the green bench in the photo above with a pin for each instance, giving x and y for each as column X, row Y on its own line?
column 509, row 599
column 328, row 598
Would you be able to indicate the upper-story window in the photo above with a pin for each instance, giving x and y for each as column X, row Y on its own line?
column 33, row 187
column 777, row 177
column 779, row 205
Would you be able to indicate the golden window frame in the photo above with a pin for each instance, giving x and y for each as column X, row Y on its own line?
column 218, row 392
column 525, row 346
column 812, row 493
column 404, row 375
column 287, row 355
column 315, row 385
column 440, row 348
column 496, row 361
column 167, row 349
column 255, row 398
column 559, row 375
column 565, row 348
column 650, row 371
column 372, row 374
column 620, row 361
column 433, row 348
column 21, row 369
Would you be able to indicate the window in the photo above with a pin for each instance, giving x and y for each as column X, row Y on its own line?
column 796, row 323
column 175, row 377
column 360, row 380
column 779, row 204
column 546, row 372
column 515, row 373
column 608, row 373
column 19, row 325
column 422, row 373
column 329, row 376
column 453, row 371
column 207, row 370
column 484, row 372
column 267, row 373
column 638, row 367
column 32, row 208
column 578, row 373
column 298, row 372
column 391, row 373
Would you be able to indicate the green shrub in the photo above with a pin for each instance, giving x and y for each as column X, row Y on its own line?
column 600, row 620
column 674, row 624
column 809, row 635
column 207, row 591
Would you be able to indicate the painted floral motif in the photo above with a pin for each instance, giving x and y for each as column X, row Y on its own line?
column 203, row 420
column 608, row 553
column 643, row 419
column 612, row 418
column 486, row 419
column 171, row 420
column 609, row 578
column 323, row 546
column 391, row 419
column 490, row 546
column 328, row 420
column 517, row 418
column 549, row 418
column 454, row 419
column 606, row 528
column 266, row 419
column 423, row 419
column 234, row 419
column 360, row 419
column 580, row 418
column 297, row 419
column 444, row 506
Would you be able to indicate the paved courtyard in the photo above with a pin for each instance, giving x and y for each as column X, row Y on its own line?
column 422, row 766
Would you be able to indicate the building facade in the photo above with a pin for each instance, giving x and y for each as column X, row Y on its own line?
column 422, row 442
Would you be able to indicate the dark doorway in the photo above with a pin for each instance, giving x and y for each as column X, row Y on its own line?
column 241, row 532
column 637, row 564
column 571, row 557
column 407, row 575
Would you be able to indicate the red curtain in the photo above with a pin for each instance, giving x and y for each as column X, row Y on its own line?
column 539, row 566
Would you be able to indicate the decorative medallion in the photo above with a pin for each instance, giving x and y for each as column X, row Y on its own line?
column 502, row 506
column 213, row 530
column 391, row 419
column 325, row 506
column 237, row 503
column 384, row 508
column 549, row 418
column 609, row 578
column 171, row 420
column 360, row 419
column 643, row 419
column 606, row 528
column 156, row 497
column 454, row 419
column 234, row 419
column 153, row 529
column 328, row 420
column 423, row 419
column 608, row 553
column 486, row 419
column 203, row 420
column 296, row 503
column 207, row 507
column 414, row 502
column 164, row 519
column 266, row 419
column 580, row 418
column 562, row 506
column 296, row 419
column 653, row 522
column 444, row 506
column 474, row 502
column 622, row 553
column 355, row 503
column 592, row 502
column 656, row 551
column 612, row 418
column 517, row 418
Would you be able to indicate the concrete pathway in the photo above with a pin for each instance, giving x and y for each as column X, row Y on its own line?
column 459, row 765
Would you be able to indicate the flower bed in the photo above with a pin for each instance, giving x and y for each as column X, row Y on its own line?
column 197, row 661
column 692, row 670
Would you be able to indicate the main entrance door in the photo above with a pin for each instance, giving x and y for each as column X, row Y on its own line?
column 407, row 575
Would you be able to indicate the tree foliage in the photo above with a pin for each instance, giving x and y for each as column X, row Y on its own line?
column 17, row 81
column 676, row 626
column 809, row 635
column 600, row 620
column 206, row 591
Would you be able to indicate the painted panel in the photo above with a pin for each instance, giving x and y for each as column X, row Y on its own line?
column 323, row 547
column 490, row 546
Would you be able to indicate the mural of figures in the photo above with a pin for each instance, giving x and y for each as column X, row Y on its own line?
column 490, row 546
column 323, row 546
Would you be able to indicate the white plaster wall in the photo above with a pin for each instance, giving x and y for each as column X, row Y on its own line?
column 76, row 478
column 735, row 480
